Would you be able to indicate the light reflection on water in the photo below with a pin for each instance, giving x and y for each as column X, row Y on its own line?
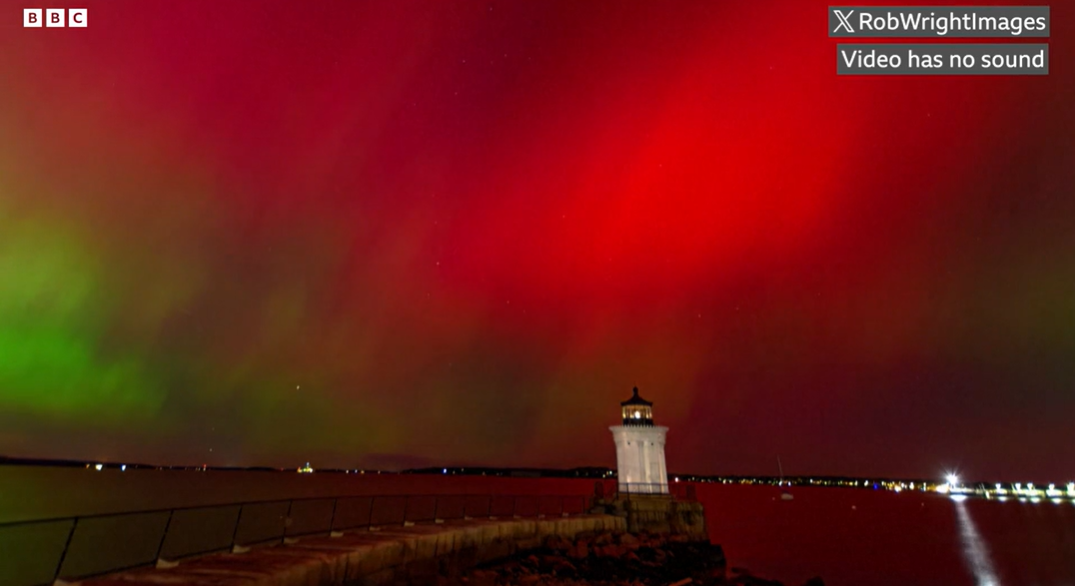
column 975, row 551
column 821, row 533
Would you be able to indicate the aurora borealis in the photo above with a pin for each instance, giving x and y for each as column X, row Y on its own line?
column 407, row 233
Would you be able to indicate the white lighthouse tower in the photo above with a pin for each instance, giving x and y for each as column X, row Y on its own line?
column 640, row 449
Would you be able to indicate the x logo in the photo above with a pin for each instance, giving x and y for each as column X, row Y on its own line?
column 845, row 22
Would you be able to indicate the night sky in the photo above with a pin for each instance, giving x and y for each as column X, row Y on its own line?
column 419, row 233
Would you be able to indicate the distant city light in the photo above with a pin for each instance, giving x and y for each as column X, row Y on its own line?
column 99, row 466
column 952, row 485
column 122, row 467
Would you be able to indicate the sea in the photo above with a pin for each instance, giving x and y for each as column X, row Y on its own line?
column 862, row 537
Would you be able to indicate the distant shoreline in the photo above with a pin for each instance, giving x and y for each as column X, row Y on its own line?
column 987, row 490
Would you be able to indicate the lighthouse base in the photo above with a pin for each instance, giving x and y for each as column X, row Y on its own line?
column 658, row 514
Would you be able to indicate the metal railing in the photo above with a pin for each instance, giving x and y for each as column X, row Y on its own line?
column 680, row 491
column 643, row 488
column 39, row 552
column 684, row 491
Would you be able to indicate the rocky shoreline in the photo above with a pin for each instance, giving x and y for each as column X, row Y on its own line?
column 626, row 559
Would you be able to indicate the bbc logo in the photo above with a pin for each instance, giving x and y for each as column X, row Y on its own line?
column 54, row 17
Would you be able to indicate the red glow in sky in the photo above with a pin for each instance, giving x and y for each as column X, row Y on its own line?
column 350, row 232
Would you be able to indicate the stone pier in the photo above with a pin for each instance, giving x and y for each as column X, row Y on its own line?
column 657, row 514
column 414, row 554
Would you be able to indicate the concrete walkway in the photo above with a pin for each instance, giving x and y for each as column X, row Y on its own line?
column 415, row 554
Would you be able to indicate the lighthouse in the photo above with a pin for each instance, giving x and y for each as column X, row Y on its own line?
column 640, row 449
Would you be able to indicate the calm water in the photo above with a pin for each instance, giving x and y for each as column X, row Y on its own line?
column 878, row 538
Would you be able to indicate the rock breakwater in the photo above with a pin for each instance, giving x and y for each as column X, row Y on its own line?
column 624, row 559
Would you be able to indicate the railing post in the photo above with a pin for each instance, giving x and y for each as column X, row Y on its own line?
column 235, row 532
column 63, row 554
column 287, row 521
column 406, row 507
column 332, row 520
column 164, row 535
